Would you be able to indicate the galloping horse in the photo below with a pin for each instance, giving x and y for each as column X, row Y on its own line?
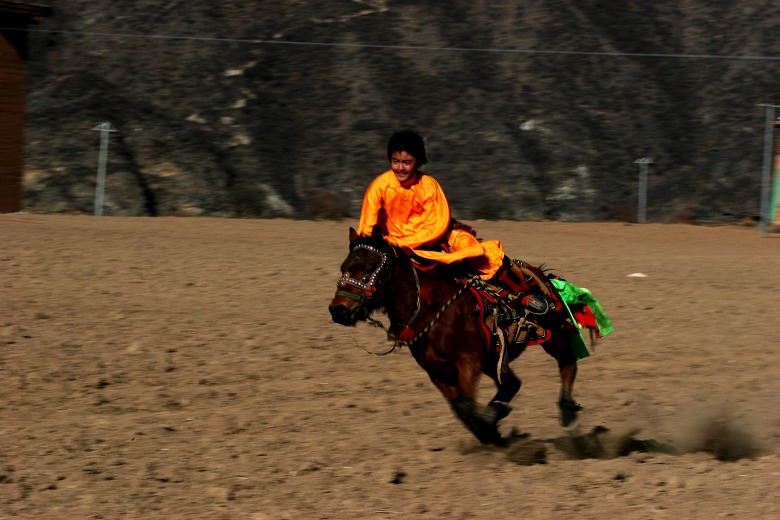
column 451, row 327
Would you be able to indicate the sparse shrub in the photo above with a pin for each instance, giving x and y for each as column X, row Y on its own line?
column 327, row 205
column 621, row 212
column 249, row 202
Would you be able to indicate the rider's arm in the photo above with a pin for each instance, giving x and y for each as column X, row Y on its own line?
column 435, row 219
column 372, row 205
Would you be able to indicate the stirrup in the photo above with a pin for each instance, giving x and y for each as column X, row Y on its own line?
column 535, row 304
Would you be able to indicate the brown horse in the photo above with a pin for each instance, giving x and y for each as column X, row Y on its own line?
column 450, row 328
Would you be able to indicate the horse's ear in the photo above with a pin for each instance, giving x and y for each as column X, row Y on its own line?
column 352, row 234
column 377, row 233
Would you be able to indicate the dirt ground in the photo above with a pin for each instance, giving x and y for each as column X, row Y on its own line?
column 188, row 368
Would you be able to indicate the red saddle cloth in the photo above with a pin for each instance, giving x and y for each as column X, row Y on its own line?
column 585, row 317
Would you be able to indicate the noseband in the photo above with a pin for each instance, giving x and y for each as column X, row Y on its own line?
column 369, row 287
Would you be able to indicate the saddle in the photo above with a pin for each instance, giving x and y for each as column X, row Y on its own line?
column 508, row 328
column 520, row 312
column 512, row 313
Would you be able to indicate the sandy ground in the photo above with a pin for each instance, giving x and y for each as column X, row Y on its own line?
column 188, row 368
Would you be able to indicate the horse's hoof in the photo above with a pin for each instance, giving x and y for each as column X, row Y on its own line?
column 569, row 405
column 568, row 419
column 491, row 436
column 502, row 409
column 569, row 411
column 500, row 442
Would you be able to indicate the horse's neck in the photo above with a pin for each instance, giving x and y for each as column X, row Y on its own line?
column 404, row 297
column 413, row 292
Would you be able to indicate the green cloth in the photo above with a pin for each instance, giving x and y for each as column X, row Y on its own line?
column 571, row 295
column 578, row 345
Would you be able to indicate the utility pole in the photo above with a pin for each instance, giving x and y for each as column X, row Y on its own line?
column 104, row 129
column 643, row 162
column 767, row 171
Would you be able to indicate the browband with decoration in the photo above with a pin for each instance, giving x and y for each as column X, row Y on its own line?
column 369, row 287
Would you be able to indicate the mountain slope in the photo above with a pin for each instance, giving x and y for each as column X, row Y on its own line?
column 542, row 118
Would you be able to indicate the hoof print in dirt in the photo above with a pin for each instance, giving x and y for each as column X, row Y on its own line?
column 526, row 452
column 398, row 478
column 600, row 443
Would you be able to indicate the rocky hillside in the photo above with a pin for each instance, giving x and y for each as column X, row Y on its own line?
column 229, row 109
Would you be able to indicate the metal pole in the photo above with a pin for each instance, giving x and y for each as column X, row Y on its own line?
column 642, row 205
column 767, row 171
column 104, row 129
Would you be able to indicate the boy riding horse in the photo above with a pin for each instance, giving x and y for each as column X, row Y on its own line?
column 412, row 211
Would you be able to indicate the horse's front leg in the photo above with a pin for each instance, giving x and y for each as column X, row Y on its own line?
column 507, row 389
column 567, row 366
column 480, row 420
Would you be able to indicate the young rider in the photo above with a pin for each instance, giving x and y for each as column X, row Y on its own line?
column 413, row 213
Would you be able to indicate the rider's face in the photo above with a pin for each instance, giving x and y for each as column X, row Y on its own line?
column 404, row 166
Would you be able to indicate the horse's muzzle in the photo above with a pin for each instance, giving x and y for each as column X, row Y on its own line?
column 343, row 315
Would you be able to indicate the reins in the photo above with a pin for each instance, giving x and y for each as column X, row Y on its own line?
column 404, row 342
column 369, row 288
column 399, row 341
column 376, row 323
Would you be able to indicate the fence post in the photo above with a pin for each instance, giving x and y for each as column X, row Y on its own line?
column 642, row 205
column 104, row 129
column 763, row 219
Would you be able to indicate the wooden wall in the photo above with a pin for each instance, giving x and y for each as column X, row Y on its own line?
column 13, row 98
column 15, row 16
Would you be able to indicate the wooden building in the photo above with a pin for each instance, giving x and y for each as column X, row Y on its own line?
column 14, row 19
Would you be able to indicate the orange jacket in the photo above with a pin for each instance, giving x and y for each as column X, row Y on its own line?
column 486, row 263
column 418, row 216
column 411, row 217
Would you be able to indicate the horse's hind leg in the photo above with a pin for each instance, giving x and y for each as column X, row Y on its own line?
column 561, row 350
column 567, row 405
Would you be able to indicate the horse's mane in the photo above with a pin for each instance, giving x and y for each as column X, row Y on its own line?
column 426, row 268
column 376, row 240
column 457, row 224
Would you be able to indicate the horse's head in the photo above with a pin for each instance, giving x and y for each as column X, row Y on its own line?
column 363, row 274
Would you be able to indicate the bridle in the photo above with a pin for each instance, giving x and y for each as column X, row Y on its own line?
column 369, row 288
